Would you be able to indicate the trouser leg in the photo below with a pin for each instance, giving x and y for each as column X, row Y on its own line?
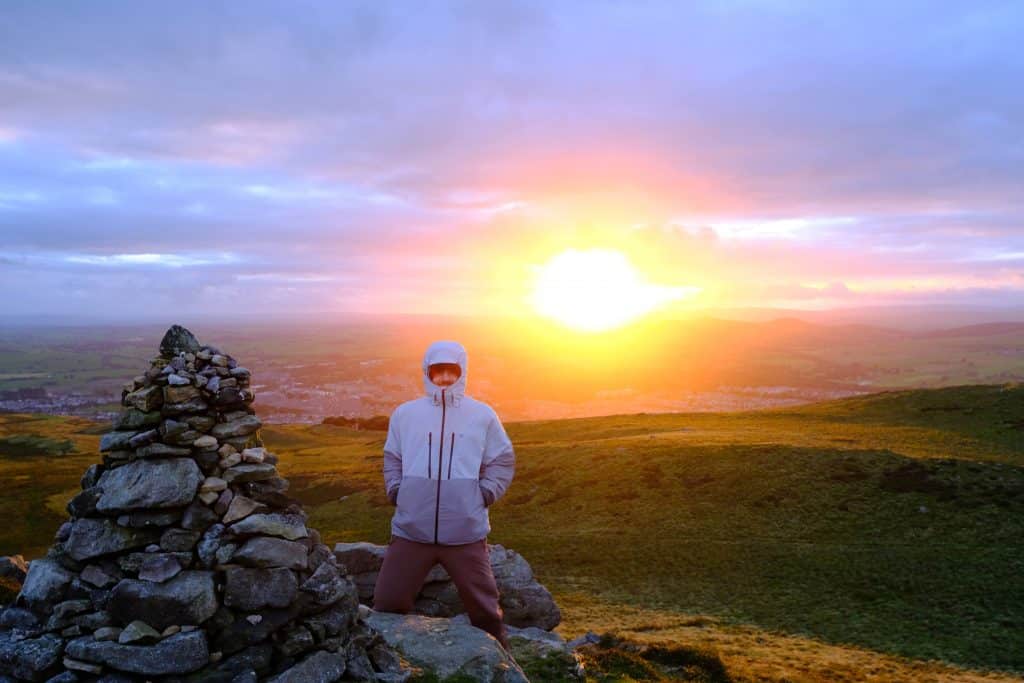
column 469, row 565
column 406, row 564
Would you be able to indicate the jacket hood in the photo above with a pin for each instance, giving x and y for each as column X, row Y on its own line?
column 445, row 352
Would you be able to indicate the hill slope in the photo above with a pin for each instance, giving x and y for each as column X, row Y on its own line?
column 890, row 522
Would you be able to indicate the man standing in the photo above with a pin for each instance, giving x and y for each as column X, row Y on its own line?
column 447, row 459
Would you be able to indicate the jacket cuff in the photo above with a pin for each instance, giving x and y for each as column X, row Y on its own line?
column 393, row 495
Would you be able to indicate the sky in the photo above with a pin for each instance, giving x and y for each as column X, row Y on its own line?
column 430, row 157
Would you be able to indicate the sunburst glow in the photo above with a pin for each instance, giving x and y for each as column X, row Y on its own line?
column 596, row 289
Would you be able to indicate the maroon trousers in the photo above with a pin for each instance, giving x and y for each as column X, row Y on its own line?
column 406, row 564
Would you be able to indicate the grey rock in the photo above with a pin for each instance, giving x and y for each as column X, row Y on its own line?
column 84, row 504
column 159, row 568
column 76, row 665
column 240, row 507
column 208, row 545
column 327, row 586
column 240, row 427
column 179, row 540
column 319, row 667
column 46, row 583
column 91, row 537
column 178, row 381
column 246, row 472
column 139, row 519
column 138, row 632
column 447, row 647
column 132, row 562
column 180, row 394
column 193, row 405
column 96, row 576
column 17, row 617
column 252, row 589
column 178, row 654
column 63, row 612
column 162, row 450
column 287, row 526
column 145, row 400
column 30, row 659
column 114, row 441
column 91, row 475
column 198, row 517
column 146, row 484
column 135, row 419
column 272, row 552
column 13, row 567
column 143, row 438
column 177, row 340
column 188, row 598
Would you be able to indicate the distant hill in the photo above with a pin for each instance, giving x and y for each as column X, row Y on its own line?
column 886, row 523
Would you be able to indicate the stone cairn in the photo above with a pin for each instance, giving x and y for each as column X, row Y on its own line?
column 184, row 559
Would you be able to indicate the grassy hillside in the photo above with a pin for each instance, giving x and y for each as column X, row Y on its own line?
column 813, row 538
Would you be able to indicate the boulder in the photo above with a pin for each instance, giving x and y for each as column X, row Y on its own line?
column 447, row 647
column 178, row 340
column 251, row 589
column 181, row 653
column 92, row 537
column 146, row 484
column 46, row 583
column 30, row 659
column 188, row 598
column 288, row 526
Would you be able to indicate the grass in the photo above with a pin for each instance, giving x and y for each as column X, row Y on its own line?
column 868, row 538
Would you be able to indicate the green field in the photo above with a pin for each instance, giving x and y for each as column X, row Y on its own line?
column 886, row 528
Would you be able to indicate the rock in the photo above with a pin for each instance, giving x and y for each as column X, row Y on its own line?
column 107, row 633
column 328, row 586
column 145, row 400
column 287, row 526
column 178, row 654
column 149, row 518
column 241, row 427
column 178, row 340
column 221, row 505
column 242, row 507
column 113, row 441
column 230, row 460
column 254, row 454
column 63, row 612
column 84, row 504
column 138, row 632
column 162, row 450
column 30, row 659
column 146, row 484
column 249, row 472
column 179, row 540
column 91, row 476
column 193, row 405
column 132, row 562
column 13, row 567
column 198, row 517
column 180, row 394
column 135, row 419
column 97, row 577
column 78, row 665
column 447, row 647
column 19, row 618
column 188, row 598
column 205, row 442
column 272, row 552
column 253, row 589
column 178, row 381
column 143, row 438
column 360, row 557
column 213, row 484
column 586, row 639
column 91, row 537
column 319, row 667
column 159, row 568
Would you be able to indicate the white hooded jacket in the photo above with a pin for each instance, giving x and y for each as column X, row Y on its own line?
column 447, row 458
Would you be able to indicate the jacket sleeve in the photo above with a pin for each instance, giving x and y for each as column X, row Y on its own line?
column 499, row 463
column 392, row 459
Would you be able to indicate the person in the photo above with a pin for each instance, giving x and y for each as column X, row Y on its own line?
column 447, row 459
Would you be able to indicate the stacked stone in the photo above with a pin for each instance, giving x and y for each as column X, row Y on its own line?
column 184, row 558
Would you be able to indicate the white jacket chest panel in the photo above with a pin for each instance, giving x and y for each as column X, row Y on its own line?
column 457, row 451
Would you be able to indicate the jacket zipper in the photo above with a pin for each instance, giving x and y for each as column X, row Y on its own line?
column 440, row 457
column 451, row 449
column 430, row 452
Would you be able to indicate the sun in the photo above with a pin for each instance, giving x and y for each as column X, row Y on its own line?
column 594, row 290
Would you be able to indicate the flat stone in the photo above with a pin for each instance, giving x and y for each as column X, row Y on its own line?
column 246, row 472
column 140, row 519
column 107, row 633
column 272, row 552
column 188, row 598
column 205, row 442
column 198, row 517
column 95, row 575
column 254, row 454
column 240, row 508
column 115, row 441
column 240, row 427
column 162, row 450
column 215, row 484
column 178, row 381
column 132, row 562
column 144, row 484
column 91, row 537
column 159, row 568
column 287, row 526
column 179, row 540
column 179, row 654
column 253, row 589
column 180, row 394
column 138, row 632
column 143, row 438
column 78, row 665
column 193, row 405
column 230, row 460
